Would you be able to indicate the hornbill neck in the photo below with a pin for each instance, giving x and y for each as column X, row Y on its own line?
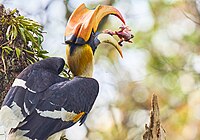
column 80, row 60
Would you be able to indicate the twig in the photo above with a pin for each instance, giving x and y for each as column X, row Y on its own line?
column 187, row 16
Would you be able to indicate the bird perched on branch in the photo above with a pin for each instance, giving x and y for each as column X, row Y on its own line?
column 40, row 103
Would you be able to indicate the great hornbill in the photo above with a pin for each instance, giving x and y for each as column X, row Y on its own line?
column 40, row 103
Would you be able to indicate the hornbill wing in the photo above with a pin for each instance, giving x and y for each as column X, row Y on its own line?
column 27, row 89
column 77, row 95
column 62, row 105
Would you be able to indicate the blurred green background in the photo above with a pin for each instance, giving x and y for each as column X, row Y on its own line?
column 163, row 59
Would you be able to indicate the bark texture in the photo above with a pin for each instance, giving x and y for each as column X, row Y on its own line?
column 155, row 130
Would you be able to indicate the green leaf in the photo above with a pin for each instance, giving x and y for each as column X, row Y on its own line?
column 42, row 56
column 40, row 39
column 25, row 22
column 30, row 36
column 21, row 30
column 35, row 60
column 18, row 52
column 30, row 61
column 28, row 51
column 7, row 51
column 20, row 17
column 44, row 52
column 13, row 11
column 14, row 32
column 7, row 48
column 35, row 23
column 8, row 32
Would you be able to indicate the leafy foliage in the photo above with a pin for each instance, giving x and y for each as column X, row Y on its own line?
column 28, row 31
column 20, row 45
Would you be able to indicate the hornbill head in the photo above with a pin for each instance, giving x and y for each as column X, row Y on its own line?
column 82, row 38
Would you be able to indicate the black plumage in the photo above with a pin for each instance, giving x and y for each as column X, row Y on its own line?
column 46, row 91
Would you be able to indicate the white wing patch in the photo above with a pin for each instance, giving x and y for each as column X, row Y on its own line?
column 19, row 135
column 63, row 114
column 17, row 111
column 21, row 83
column 10, row 117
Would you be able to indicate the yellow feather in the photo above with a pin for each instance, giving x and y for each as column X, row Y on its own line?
column 78, row 117
column 81, row 60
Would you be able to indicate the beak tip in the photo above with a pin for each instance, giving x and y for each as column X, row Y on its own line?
column 121, row 55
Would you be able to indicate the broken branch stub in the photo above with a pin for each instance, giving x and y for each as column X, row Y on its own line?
column 155, row 130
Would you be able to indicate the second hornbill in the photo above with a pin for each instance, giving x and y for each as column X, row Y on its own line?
column 41, row 104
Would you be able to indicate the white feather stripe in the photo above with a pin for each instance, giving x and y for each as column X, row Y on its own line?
column 26, row 109
column 56, row 114
column 31, row 90
column 20, row 83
